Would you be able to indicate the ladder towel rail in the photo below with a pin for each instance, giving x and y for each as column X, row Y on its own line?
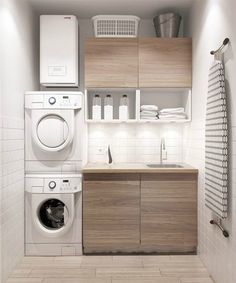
column 216, row 137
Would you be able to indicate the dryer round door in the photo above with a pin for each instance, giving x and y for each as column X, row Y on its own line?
column 53, row 217
column 53, row 132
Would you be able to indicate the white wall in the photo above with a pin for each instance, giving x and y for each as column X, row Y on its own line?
column 211, row 22
column 18, row 73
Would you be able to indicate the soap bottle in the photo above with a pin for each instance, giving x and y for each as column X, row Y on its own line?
column 108, row 107
column 124, row 108
column 97, row 107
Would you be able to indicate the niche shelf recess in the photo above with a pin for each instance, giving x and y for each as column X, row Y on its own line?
column 161, row 97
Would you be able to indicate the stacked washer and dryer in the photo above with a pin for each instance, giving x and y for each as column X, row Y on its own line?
column 54, row 128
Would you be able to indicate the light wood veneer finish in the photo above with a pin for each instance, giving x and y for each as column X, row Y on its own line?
column 111, row 212
column 140, row 212
column 169, row 212
column 142, row 62
column 165, row 62
column 134, row 168
column 111, row 62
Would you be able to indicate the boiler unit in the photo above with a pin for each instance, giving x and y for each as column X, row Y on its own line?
column 59, row 52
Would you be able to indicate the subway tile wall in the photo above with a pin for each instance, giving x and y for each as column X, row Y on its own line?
column 12, row 193
column 134, row 143
column 217, row 252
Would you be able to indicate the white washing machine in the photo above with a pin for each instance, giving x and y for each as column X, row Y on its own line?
column 54, row 131
column 53, row 212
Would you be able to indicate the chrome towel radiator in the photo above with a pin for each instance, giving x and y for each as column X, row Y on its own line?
column 216, row 148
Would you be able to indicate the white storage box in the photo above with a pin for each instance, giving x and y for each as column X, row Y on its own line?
column 115, row 26
column 59, row 50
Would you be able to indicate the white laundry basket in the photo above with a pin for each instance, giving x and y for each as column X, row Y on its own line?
column 115, row 26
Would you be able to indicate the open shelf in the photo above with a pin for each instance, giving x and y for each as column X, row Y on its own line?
column 116, row 94
column 166, row 98
column 161, row 97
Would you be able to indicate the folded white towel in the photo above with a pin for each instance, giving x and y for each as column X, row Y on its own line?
column 149, row 107
column 184, row 115
column 172, row 110
column 172, row 117
column 149, row 112
column 148, row 118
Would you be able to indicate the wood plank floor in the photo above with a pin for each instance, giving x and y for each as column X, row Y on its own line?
column 111, row 269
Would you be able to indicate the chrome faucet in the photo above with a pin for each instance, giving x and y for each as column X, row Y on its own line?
column 162, row 148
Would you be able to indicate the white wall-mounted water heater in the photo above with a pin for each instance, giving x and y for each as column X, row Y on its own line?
column 59, row 51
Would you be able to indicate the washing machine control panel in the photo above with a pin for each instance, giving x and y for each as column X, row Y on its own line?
column 64, row 185
column 58, row 184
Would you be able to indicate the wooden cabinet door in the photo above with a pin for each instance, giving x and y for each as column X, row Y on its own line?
column 165, row 62
column 169, row 212
column 111, row 212
column 111, row 62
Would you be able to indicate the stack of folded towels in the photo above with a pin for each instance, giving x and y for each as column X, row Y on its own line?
column 149, row 112
column 172, row 114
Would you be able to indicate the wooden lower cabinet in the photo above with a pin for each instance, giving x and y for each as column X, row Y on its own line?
column 153, row 212
column 111, row 213
column 169, row 213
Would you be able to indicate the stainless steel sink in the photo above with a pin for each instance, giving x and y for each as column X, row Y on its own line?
column 167, row 165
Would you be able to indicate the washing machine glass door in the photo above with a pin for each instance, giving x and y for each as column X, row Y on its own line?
column 53, row 214
column 52, row 131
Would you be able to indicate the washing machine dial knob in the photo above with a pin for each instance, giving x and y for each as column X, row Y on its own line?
column 52, row 100
column 52, row 185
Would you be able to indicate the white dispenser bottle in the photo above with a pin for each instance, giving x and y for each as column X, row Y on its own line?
column 97, row 107
column 124, row 108
column 108, row 108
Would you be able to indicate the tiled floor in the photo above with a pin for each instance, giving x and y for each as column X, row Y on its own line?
column 111, row 269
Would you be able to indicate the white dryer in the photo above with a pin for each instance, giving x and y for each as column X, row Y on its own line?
column 53, row 215
column 54, row 131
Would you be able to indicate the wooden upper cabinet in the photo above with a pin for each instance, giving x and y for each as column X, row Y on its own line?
column 165, row 62
column 111, row 62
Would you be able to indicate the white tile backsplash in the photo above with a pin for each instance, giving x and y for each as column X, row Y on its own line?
column 134, row 143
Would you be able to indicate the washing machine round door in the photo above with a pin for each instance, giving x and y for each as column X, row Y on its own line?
column 53, row 217
column 53, row 132
column 53, row 214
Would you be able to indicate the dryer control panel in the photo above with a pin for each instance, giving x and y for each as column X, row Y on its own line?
column 53, row 100
column 53, row 184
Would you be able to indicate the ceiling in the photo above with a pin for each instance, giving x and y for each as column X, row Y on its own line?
column 145, row 9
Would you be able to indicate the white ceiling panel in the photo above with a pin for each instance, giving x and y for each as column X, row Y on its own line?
column 88, row 8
